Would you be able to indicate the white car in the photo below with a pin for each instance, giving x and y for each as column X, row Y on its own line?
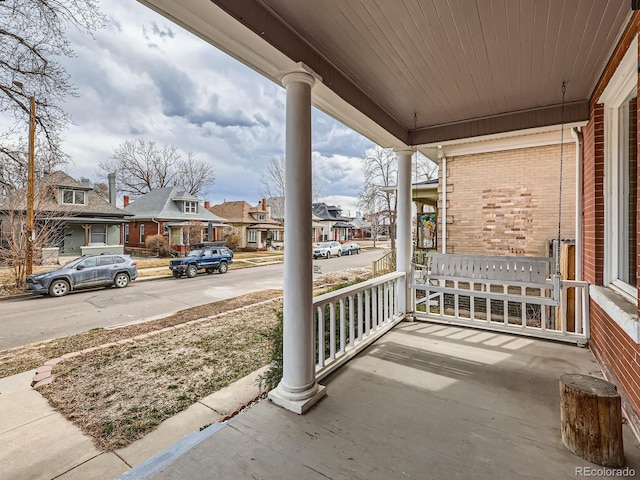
column 326, row 249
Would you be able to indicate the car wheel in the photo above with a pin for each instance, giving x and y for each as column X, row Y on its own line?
column 339, row 253
column 177, row 274
column 358, row 251
column 328, row 255
column 350, row 252
column 192, row 271
column 59, row 288
column 121, row 280
column 210, row 270
column 223, row 267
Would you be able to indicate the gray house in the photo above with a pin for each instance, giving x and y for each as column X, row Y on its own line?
column 180, row 217
column 69, row 215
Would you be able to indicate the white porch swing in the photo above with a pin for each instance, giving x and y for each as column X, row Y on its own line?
column 521, row 295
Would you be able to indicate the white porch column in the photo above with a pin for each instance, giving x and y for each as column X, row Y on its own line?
column 403, row 243
column 298, row 389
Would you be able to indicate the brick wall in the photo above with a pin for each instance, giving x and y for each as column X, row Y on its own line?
column 619, row 358
column 506, row 203
column 617, row 354
column 593, row 191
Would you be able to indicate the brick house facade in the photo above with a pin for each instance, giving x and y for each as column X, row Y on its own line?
column 505, row 201
column 610, row 258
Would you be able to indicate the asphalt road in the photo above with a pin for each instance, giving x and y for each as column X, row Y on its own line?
column 36, row 318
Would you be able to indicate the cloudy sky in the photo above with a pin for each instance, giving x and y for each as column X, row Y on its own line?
column 145, row 77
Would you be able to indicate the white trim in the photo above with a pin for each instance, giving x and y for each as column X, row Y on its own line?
column 623, row 79
column 534, row 137
column 619, row 309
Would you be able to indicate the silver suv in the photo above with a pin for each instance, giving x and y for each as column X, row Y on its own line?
column 89, row 271
column 326, row 249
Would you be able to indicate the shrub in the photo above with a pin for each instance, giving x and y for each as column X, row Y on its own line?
column 272, row 377
column 158, row 244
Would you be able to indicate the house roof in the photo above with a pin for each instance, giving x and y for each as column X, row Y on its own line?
column 164, row 204
column 96, row 206
column 242, row 212
column 328, row 212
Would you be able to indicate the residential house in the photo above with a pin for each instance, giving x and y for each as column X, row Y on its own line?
column 256, row 228
column 183, row 219
column 335, row 225
column 476, row 74
column 70, row 216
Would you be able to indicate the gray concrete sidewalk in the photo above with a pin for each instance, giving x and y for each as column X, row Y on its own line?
column 36, row 442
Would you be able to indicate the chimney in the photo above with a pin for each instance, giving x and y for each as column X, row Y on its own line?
column 207, row 205
column 264, row 204
column 112, row 188
column 85, row 182
column 126, row 200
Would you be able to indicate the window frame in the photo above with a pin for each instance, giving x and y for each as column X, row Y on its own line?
column 105, row 233
column 252, row 236
column 190, row 207
column 73, row 193
column 621, row 88
column 141, row 231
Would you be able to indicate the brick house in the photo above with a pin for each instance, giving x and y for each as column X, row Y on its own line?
column 502, row 195
column 256, row 228
column 181, row 218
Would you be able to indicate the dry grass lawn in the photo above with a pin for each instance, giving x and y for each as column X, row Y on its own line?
column 118, row 394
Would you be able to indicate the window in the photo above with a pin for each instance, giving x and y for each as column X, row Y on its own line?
column 98, row 234
column 126, row 233
column 106, row 260
column 261, row 216
column 142, row 233
column 621, row 170
column 252, row 237
column 190, row 207
column 89, row 262
column 73, row 197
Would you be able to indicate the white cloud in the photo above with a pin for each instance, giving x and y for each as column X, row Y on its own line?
column 145, row 77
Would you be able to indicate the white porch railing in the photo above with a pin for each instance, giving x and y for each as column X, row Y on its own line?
column 509, row 294
column 350, row 319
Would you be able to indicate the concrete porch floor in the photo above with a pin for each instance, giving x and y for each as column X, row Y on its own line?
column 425, row 401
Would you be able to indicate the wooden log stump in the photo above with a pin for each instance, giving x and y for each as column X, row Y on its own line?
column 591, row 419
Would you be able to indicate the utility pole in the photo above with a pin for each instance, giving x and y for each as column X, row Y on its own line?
column 30, row 227
column 31, row 186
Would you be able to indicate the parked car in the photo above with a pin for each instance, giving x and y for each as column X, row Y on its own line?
column 350, row 248
column 326, row 249
column 208, row 259
column 89, row 271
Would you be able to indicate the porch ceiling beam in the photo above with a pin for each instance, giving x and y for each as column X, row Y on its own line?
column 509, row 122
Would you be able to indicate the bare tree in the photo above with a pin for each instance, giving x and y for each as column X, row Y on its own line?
column 272, row 184
column 32, row 40
column 194, row 176
column 13, row 242
column 380, row 176
column 141, row 166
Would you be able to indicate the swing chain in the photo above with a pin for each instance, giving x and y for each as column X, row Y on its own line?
column 564, row 89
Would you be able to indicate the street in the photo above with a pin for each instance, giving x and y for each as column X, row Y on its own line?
column 37, row 318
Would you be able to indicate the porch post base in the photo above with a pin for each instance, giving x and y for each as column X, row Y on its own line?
column 298, row 406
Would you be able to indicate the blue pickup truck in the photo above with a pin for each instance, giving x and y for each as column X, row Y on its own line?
column 208, row 259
